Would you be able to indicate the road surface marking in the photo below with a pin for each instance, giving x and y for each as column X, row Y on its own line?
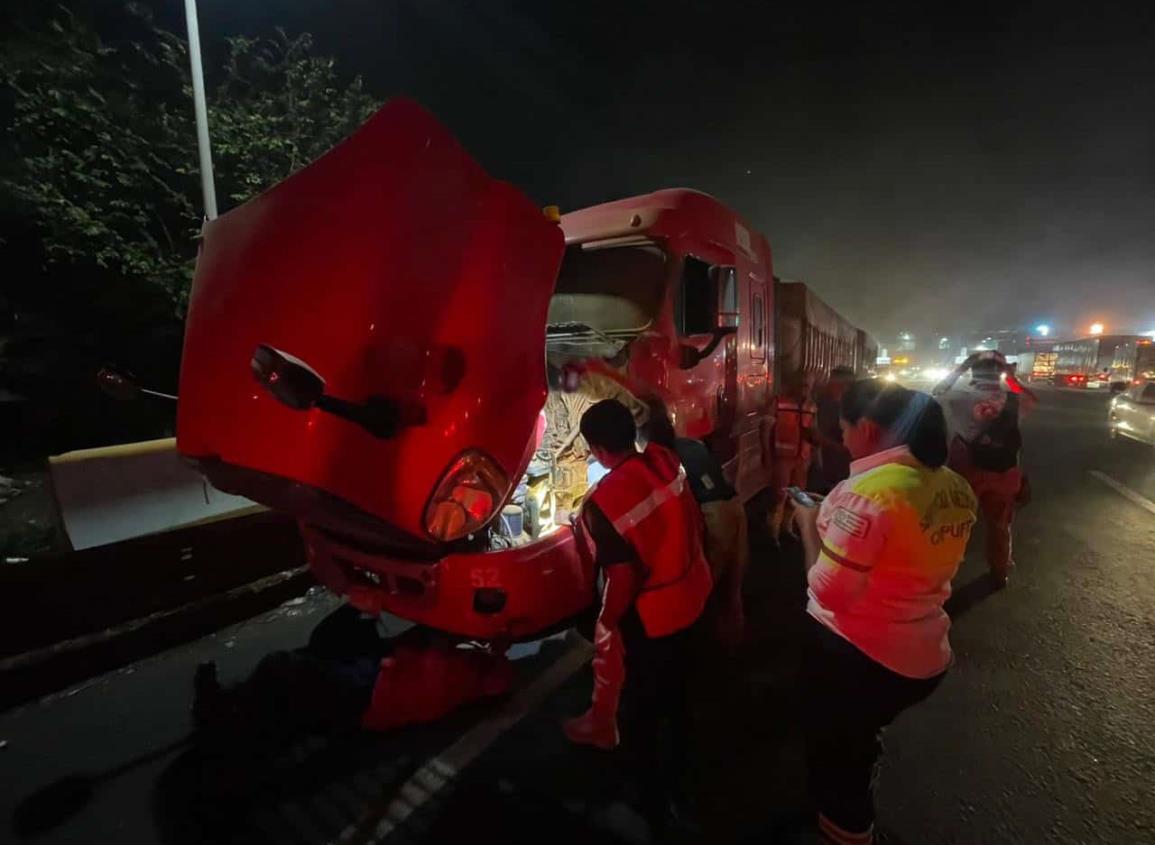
column 441, row 769
column 1125, row 491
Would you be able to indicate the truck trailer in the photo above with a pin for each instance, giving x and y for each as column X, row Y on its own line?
column 813, row 338
column 1133, row 363
column 1086, row 363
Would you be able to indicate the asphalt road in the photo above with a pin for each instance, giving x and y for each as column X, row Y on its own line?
column 1044, row 731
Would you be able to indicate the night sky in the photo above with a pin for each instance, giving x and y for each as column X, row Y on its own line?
column 977, row 167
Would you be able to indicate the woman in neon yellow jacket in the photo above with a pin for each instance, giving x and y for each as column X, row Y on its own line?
column 881, row 551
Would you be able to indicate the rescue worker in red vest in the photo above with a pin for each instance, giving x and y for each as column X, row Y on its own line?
column 793, row 435
column 645, row 531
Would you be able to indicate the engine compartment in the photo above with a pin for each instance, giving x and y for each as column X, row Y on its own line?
column 561, row 471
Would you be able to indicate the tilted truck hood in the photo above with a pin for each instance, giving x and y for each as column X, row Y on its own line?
column 395, row 267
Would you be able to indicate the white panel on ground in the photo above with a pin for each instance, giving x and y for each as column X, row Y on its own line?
column 120, row 492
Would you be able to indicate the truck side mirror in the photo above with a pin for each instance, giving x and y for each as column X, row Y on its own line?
column 725, row 284
column 296, row 385
column 291, row 381
column 688, row 356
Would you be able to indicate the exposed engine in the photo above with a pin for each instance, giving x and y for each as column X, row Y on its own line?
column 560, row 472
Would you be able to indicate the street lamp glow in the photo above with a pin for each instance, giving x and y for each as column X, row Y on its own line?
column 1096, row 328
column 1042, row 330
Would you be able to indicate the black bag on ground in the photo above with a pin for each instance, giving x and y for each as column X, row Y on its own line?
column 997, row 446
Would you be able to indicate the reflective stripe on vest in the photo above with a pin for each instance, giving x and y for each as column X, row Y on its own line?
column 651, row 503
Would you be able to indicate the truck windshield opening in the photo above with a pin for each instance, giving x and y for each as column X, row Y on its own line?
column 614, row 291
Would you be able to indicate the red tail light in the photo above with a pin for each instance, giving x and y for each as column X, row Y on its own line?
column 467, row 496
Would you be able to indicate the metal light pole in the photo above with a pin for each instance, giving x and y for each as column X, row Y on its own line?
column 204, row 152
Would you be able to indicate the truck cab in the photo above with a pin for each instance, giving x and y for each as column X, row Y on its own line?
column 707, row 350
column 395, row 348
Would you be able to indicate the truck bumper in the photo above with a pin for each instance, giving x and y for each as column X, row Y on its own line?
column 511, row 594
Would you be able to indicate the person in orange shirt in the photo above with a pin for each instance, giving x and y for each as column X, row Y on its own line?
column 793, row 435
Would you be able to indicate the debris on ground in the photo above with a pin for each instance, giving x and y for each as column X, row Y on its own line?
column 10, row 488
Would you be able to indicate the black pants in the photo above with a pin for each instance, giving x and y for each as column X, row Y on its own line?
column 654, row 714
column 849, row 699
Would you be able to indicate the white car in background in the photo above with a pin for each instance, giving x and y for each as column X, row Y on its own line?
column 1132, row 413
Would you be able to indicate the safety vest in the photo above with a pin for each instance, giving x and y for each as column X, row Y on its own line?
column 649, row 503
column 793, row 419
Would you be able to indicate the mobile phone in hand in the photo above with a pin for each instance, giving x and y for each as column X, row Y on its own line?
column 801, row 497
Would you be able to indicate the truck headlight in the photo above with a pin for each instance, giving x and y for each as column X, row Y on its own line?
column 467, row 496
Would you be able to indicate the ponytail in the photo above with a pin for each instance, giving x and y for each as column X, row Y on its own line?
column 928, row 441
column 907, row 417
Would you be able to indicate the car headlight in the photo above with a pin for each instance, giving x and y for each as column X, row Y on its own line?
column 467, row 497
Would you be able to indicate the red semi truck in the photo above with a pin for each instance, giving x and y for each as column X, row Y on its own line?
column 424, row 340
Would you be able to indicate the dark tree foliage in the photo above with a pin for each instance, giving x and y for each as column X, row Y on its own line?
column 100, row 201
column 103, row 140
